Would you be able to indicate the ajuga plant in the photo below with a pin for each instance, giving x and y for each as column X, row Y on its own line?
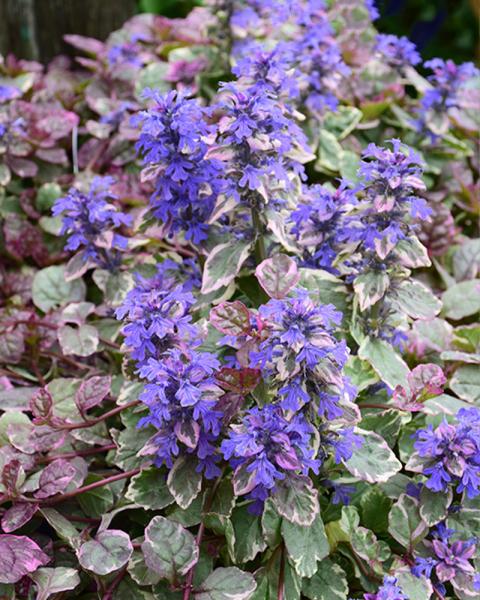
column 239, row 313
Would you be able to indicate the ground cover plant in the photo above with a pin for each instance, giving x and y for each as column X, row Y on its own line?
column 240, row 296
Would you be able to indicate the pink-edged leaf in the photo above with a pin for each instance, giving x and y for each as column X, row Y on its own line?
column 187, row 432
column 231, row 318
column 223, row 264
column 108, row 552
column 92, row 392
column 243, row 481
column 427, row 379
column 296, row 499
column 18, row 515
column 22, row 166
column 77, row 266
column 55, row 156
column 13, row 476
column 278, row 275
column 87, row 44
column 370, row 287
column 241, row 381
column 19, row 556
column 41, row 405
column 55, row 478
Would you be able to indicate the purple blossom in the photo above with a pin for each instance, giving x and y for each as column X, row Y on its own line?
column 8, row 93
column 451, row 453
column 449, row 559
column 182, row 396
column 260, row 135
column 90, row 220
column 447, row 80
column 302, row 354
column 266, row 446
column 157, row 317
column 187, row 182
column 389, row 590
column 321, row 224
column 398, row 51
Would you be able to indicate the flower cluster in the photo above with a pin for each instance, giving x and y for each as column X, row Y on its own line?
column 174, row 145
column 90, row 220
column 302, row 354
column 399, row 52
column 182, row 396
column 156, row 311
column 450, row 453
column 322, row 225
column 265, row 447
column 389, row 590
column 447, row 80
column 449, row 561
column 261, row 137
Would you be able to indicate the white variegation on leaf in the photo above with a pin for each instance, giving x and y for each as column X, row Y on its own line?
column 412, row 253
column 184, row 482
column 109, row 551
column 416, row 300
column 296, row 499
column 226, row 584
column 223, row 264
column 374, row 461
column 370, row 287
column 169, row 549
column 305, row 545
column 278, row 275
column 386, row 362
column 405, row 523
column 434, row 506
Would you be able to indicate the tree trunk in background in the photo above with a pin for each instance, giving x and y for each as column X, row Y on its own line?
column 34, row 29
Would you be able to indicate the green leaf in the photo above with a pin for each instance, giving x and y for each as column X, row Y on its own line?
column 434, row 506
column 374, row 461
column 405, row 523
column 466, row 383
column 370, row 287
column 108, row 552
column 328, row 583
column 343, row 121
column 306, row 545
column 462, row 300
column 223, row 264
column 324, row 287
column 248, row 535
column 386, row 362
column 226, row 584
column 416, row 300
column 296, row 499
column 169, row 549
column 271, row 524
column 65, row 530
column 139, row 571
column 80, row 341
column 329, row 153
column 152, row 76
column 46, row 196
column 149, row 490
column 184, row 482
column 98, row 501
column 52, row 581
column 375, row 506
column 51, row 290
column 414, row 588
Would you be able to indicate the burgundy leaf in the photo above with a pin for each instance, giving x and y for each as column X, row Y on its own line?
column 241, row 381
column 55, row 478
column 19, row 555
column 41, row 406
column 12, row 476
column 278, row 275
column 92, row 392
column 231, row 318
column 18, row 515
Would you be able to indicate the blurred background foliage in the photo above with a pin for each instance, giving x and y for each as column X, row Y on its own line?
column 444, row 28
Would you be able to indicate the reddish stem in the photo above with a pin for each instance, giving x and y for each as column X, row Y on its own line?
column 90, row 486
column 91, row 422
column 109, row 593
column 89, row 452
column 281, row 574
